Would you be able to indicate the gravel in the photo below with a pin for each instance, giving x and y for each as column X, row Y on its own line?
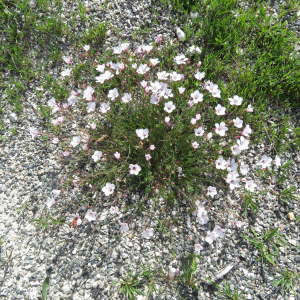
column 83, row 263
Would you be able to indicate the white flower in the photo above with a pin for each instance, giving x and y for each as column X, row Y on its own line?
column 231, row 165
column 233, row 180
column 97, row 156
column 123, row 227
column 209, row 135
column 180, row 59
column 213, row 89
column 117, row 50
column 108, row 189
column 56, row 193
column 249, row 108
column 33, row 131
column 117, row 155
column 143, row 69
column 72, row 100
column 247, row 130
column 134, row 169
column 67, row 60
column 211, row 191
column 180, row 34
column 50, row 202
column 250, row 185
column 55, row 141
column 218, row 231
column 87, row 93
column 244, row 168
column 91, row 107
column 176, row 77
column 148, row 156
column 193, row 121
column 148, row 233
column 198, row 117
column 221, row 129
column 93, row 125
column 238, row 122
column 66, row 72
column 162, row 75
column 86, row 48
column 167, row 119
column 66, row 153
column 221, row 163
column 112, row 94
column 155, row 86
column 195, row 145
column 220, row 110
column 235, row 100
column 126, row 98
column 277, row 161
column 104, row 107
column 154, row 61
column 151, row 147
column 142, row 133
column 169, row 106
column 199, row 75
column 90, row 215
column 101, row 68
column 154, row 99
column 210, row 237
column 75, row 141
column 181, row 90
column 199, row 131
column 197, row 96
column 243, row 143
column 144, row 83
column 193, row 49
column 198, row 248
column 265, row 161
column 235, row 149
column 202, row 216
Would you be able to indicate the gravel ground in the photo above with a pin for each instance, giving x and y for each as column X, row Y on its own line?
column 83, row 262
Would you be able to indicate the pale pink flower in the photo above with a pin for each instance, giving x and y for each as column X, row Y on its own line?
column 211, row 191
column 154, row 61
column 66, row 72
column 72, row 100
column 199, row 75
column 56, row 193
column 233, row 181
column 60, row 119
column 148, row 156
column 277, row 161
column 144, row 83
column 235, row 150
column 148, row 233
column 202, row 217
column 265, row 161
column 244, row 168
column 143, row 69
column 55, row 122
column 152, row 147
column 199, row 131
column 124, row 227
column 238, row 122
column 66, row 153
column 221, row 163
column 221, row 128
column 97, row 156
column 91, row 107
column 167, row 119
column 67, row 60
column 176, row 77
column 55, row 141
column 220, row 110
column 125, row 46
column 193, row 121
column 243, row 143
column 159, row 38
column 250, row 185
column 213, row 89
column 181, row 90
column 247, row 130
column 134, row 66
column 65, row 105
column 218, row 231
column 101, row 68
column 198, row 117
column 231, row 165
column 235, row 100
column 112, row 94
column 117, row 50
column 238, row 224
column 155, row 86
column 210, row 237
column 114, row 210
column 86, row 48
column 142, row 133
column 105, row 107
column 180, row 59
column 199, row 64
column 88, row 93
column 162, row 75
column 191, row 103
column 50, row 202
column 198, row 248
column 117, row 155
column 197, row 96
column 195, row 145
column 134, row 169
column 93, row 125
column 75, row 141
column 85, row 147
column 249, row 108
column 126, row 98
column 154, row 99
column 108, row 189
column 209, row 135
column 169, row 106
column 90, row 215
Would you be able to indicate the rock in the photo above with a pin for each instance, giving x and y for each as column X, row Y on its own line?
column 291, row 216
column 180, row 34
column 13, row 117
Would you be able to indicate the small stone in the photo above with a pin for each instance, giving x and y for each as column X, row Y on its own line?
column 13, row 117
column 291, row 216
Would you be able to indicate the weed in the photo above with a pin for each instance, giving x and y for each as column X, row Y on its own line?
column 227, row 293
column 188, row 270
column 286, row 281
